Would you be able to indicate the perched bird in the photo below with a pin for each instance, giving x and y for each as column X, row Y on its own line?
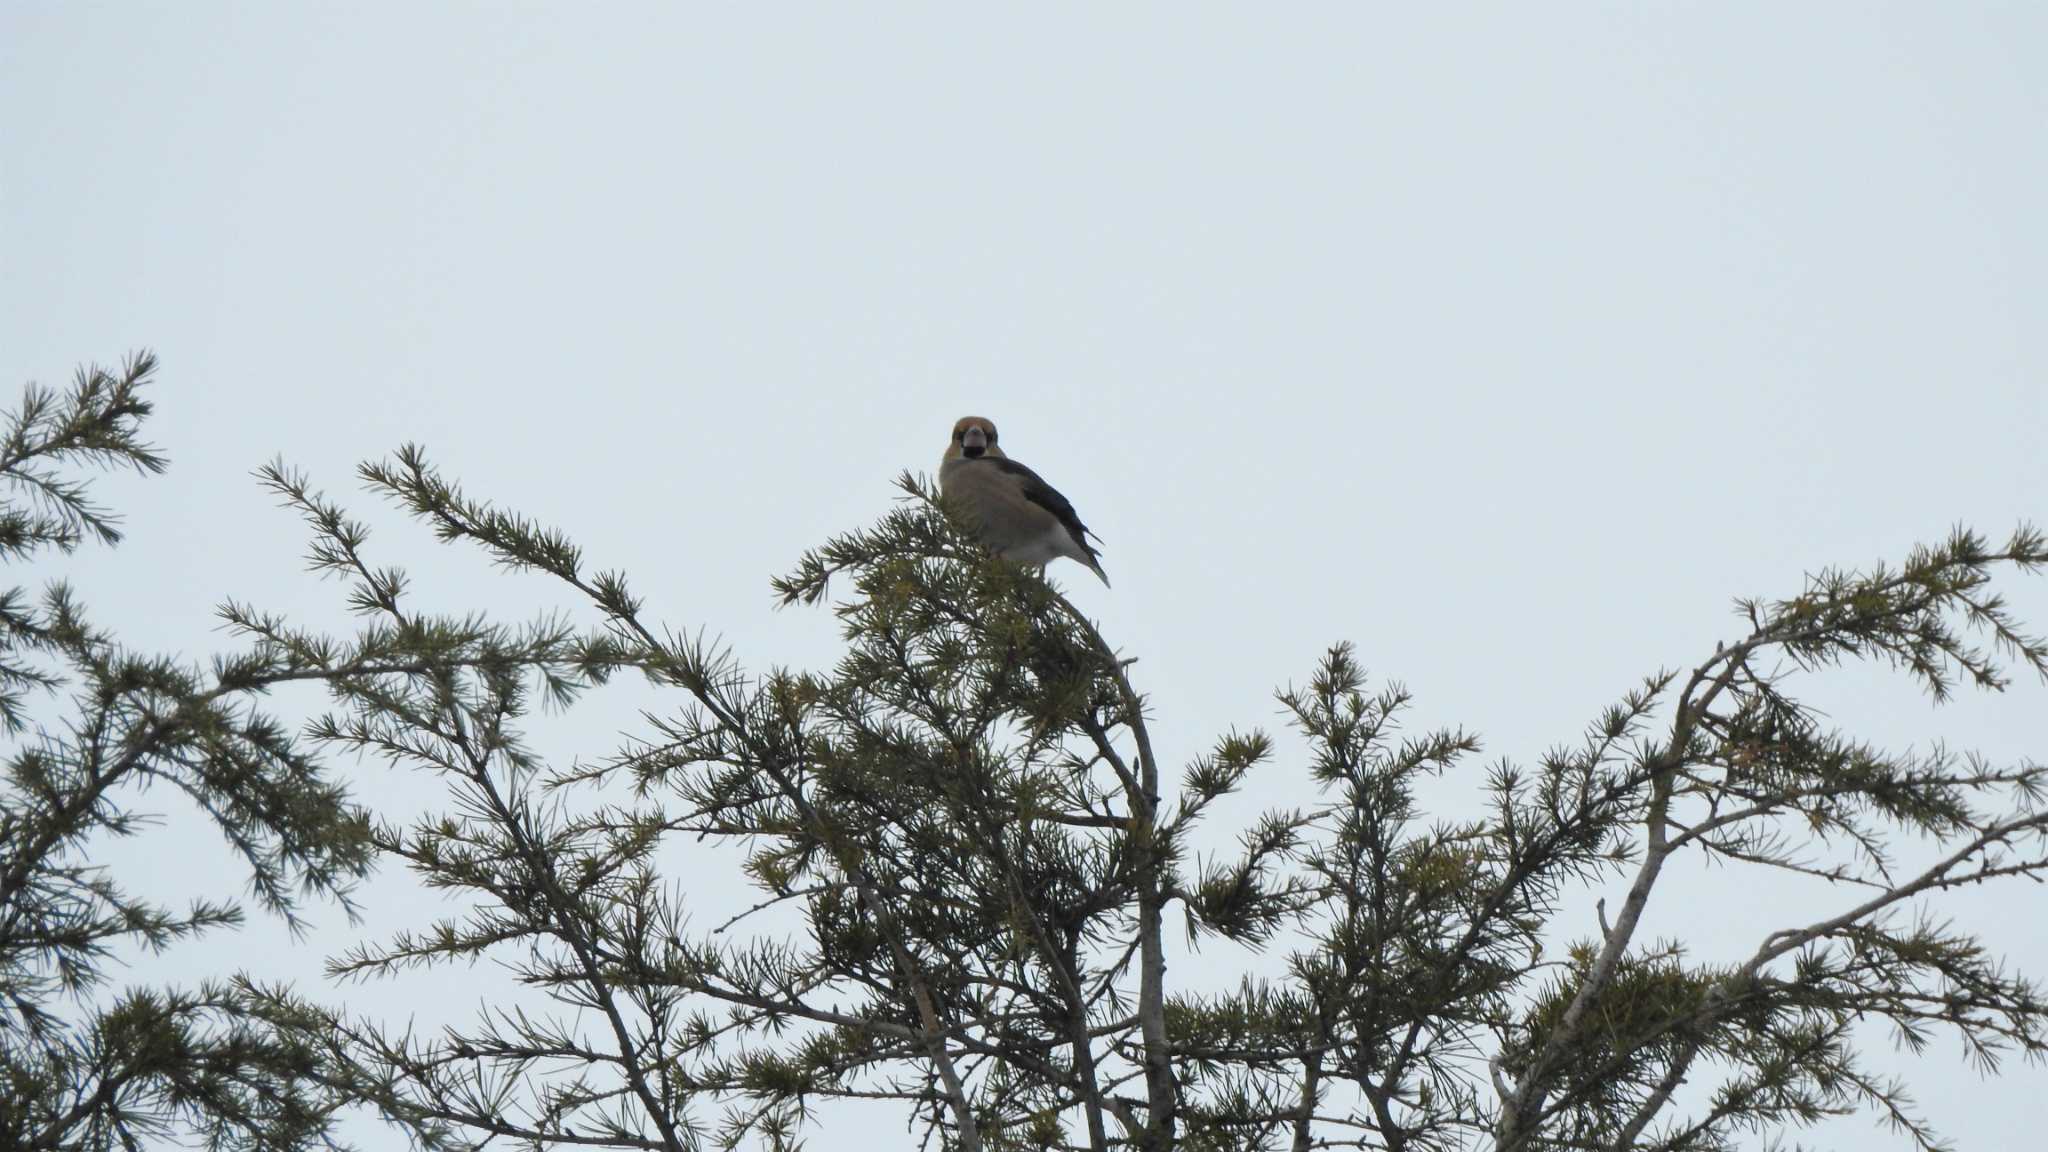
column 1019, row 516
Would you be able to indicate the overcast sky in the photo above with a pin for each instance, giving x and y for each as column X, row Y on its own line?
column 1510, row 342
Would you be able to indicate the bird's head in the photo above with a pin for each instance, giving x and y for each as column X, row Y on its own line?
column 973, row 438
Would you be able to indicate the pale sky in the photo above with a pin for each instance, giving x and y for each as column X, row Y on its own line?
column 1508, row 341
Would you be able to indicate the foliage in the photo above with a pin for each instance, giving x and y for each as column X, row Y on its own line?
column 970, row 818
column 91, row 724
column 967, row 859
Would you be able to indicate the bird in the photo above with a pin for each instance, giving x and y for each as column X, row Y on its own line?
column 1015, row 512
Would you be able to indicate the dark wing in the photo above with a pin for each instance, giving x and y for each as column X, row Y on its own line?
column 1036, row 490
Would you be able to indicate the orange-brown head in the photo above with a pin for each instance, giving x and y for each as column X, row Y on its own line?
column 973, row 437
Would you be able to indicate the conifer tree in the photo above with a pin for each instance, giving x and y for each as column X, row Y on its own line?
column 988, row 852
column 969, row 859
column 90, row 724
